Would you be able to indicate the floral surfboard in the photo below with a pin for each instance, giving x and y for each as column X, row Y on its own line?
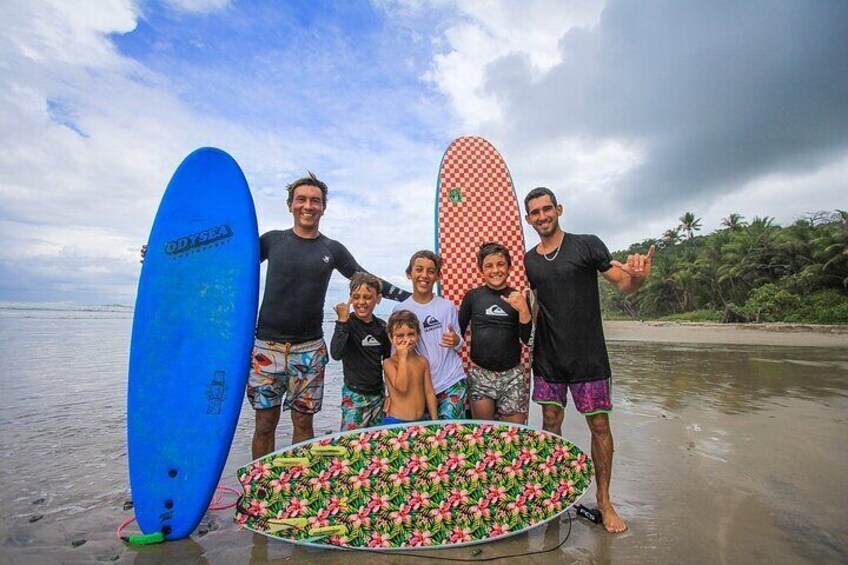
column 423, row 485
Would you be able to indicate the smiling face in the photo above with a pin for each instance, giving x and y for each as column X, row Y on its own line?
column 423, row 273
column 307, row 207
column 404, row 334
column 495, row 270
column 364, row 299
column 543, row 215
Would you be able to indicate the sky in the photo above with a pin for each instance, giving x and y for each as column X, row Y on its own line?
column 632, row 112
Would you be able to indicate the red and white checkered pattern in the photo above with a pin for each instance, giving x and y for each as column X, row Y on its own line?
column 487, row 211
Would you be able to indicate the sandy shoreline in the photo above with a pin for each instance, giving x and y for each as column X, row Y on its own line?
column 791, row 335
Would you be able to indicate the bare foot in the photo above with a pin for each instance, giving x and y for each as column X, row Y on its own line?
column 613, row 523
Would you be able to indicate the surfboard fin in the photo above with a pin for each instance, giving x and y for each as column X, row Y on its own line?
column 328, row 450
column 275, row 526
column 337, row 530
column 290, row 462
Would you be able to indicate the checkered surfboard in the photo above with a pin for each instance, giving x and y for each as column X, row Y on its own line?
column 476, row 204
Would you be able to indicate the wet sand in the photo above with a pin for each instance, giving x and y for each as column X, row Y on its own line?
column 730, row 448
column 790, row 335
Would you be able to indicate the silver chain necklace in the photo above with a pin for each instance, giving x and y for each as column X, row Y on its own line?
column 549, row 259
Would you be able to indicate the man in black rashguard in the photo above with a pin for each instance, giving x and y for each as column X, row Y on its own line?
column 569, row 352
column 289, row 356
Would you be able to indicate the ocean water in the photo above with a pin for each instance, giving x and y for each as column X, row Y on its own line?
column 723, row 454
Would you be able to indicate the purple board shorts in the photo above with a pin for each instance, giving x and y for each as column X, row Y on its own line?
column 592, row 397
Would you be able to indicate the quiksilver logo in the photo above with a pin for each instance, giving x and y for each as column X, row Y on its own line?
column 326, row 258
column 370, row 341
column 197, row 240
column 495, row 310
column 430, row 322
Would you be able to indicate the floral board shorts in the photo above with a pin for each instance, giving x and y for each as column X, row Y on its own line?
column 509, row 389
column 592, row 397
column 360, row 410
column 451, row 401
column 287, row 375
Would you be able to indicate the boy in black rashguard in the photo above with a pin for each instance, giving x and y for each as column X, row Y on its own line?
column 500, row 320
column 360, row 341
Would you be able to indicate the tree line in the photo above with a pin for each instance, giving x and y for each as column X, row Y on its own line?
column 755, row 271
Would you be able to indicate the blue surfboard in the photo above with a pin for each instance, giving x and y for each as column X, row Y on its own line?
column 192, row 334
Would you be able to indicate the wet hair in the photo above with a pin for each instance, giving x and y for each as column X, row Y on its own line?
column 538, row 192
column 310, row 180
column 402, row 318
column 362, row 278
column 425, row 254
column 492, row 248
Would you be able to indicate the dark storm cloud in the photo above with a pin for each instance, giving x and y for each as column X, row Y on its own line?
column 718, row 93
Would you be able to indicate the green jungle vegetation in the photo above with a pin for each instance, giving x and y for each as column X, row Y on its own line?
column 753, row 271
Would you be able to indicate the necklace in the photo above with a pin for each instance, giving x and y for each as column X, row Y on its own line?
column 556, row 252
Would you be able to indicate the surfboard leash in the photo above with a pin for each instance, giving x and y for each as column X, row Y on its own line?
column 159, row 537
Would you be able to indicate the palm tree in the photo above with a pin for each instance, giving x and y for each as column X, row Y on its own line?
column 734, row 222
column 831, row 253
column 671, row 237
column 660, row 294
column 689, row 223
column 759, row 225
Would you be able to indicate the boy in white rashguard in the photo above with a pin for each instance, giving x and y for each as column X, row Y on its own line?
column 439, row 341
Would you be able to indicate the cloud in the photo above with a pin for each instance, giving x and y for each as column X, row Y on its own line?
column 102, row 101
column 633, row 113
column 57, row 31
column 489, row 31
column 197, row 6
column 697, row 101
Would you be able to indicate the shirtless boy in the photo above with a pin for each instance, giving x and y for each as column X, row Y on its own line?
column 407, row 373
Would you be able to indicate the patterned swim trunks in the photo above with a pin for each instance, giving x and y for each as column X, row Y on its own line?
column 291, row 375
column 451, row 401
column 360, row 410
column 509, row 389
column 592, row 397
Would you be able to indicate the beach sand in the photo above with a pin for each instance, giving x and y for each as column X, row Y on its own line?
column 789, row 335
column 730, row 448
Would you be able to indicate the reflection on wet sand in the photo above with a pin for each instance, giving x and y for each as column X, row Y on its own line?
column 737, row 450
column 730, row 379
column 183, row 551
